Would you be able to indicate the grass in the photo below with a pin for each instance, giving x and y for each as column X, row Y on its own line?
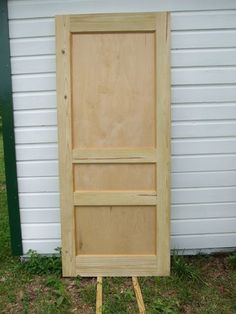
column 200, row 284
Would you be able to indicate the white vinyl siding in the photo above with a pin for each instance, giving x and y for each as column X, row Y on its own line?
column 203, row 60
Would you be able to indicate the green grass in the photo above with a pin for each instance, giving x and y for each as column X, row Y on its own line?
column 232, row 260
column 200, row 284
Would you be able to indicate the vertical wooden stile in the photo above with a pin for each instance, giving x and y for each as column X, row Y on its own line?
column 163, row 120
column 63, row 45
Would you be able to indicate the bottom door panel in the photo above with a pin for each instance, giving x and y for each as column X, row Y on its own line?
column 116, row 230
column 117, row 265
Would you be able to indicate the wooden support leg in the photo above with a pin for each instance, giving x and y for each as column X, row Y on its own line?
column 139, row 296
column 99, row 296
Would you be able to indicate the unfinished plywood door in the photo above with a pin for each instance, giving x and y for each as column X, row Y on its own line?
column 113, row 121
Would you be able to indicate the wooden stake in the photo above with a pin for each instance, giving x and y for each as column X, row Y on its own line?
column 99, row 296
column 139, row 296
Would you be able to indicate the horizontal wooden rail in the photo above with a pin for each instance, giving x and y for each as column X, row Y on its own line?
column 114, row 22
column 114, row 155
column 116, row 265
column 115, row 198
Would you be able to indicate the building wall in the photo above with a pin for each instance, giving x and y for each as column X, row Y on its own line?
column 203, row 60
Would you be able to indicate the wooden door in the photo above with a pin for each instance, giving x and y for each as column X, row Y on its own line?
column 113, row 95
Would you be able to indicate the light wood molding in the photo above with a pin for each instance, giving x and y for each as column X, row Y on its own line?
column 115, row 198
column 65, row 144
column 114, row 22
column 116, row 265
column 163, row 140
column 114, row 155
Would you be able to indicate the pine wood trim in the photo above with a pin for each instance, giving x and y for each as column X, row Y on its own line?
column 116, row 265
column 114, row 155
column 115, row 198
column 115, row 22
column 65, row 144
column 163, row 141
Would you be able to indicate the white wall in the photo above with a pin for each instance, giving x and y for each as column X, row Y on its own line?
column 203, row 59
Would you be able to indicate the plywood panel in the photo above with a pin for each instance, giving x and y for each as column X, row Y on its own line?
column 111, row 106
column 114, row 177
column 115, row 230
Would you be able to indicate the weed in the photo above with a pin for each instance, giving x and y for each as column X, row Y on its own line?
column 42, row 265
column 53, row 282
column 114, row 304
column 185, row 293
column 45, row 307
column 78, row 281
column 159, row 306
column 184, row 270
column 129, row 295
column 232, row 260
column 25, row 303
column 118, row 296
column 58, row 291
column 61, row 296
column 88, row 294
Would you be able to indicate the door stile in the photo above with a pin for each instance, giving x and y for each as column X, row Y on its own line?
column 63, row 48
column 163, row 142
